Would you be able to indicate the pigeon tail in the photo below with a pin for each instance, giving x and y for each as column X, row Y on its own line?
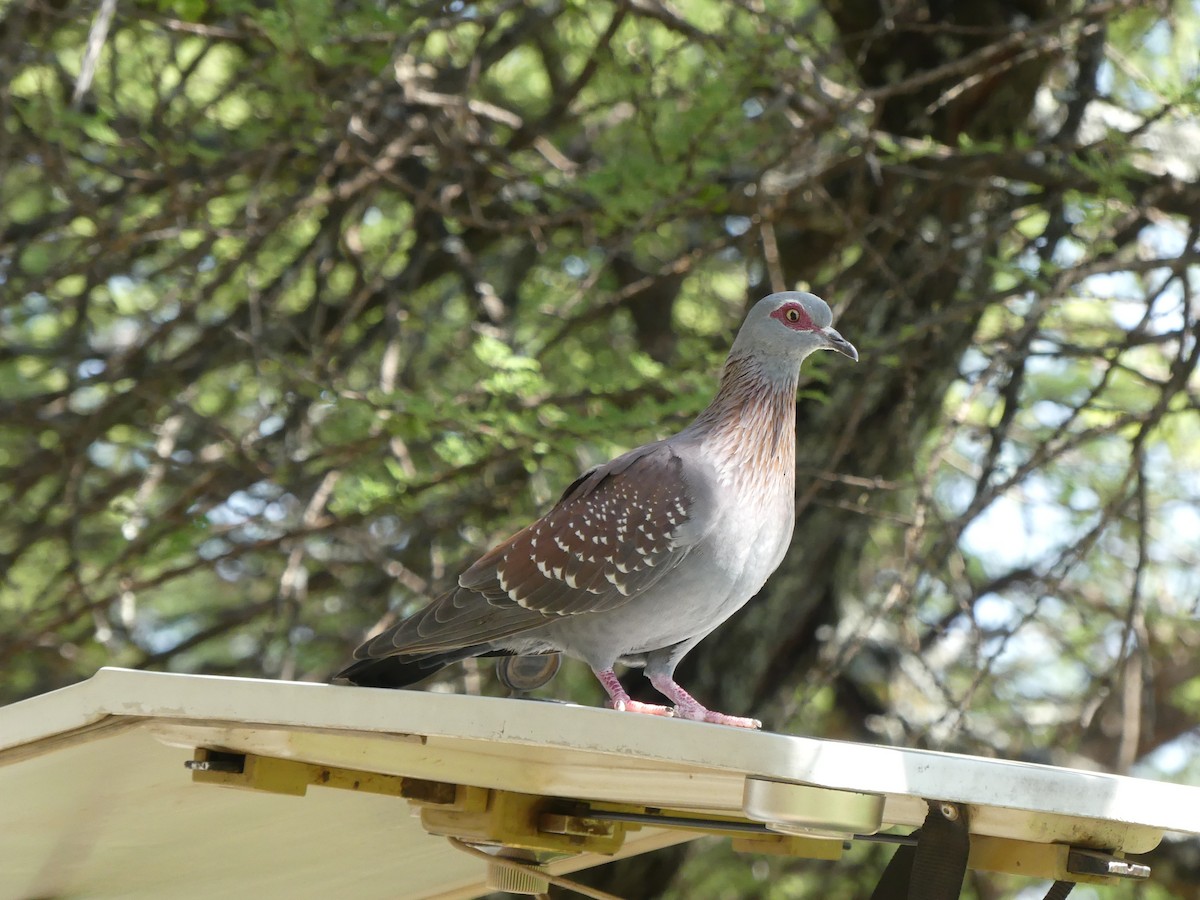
column 402, row 671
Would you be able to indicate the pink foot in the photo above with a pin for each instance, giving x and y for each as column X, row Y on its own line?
column 619, row 700
column 700, row 714
column 688, row 707
column 636, row 706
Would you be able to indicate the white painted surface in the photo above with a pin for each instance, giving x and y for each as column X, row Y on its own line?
column 95, row 801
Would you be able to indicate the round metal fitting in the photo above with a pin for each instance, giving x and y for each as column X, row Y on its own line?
column 526, row 673
column 811, row 811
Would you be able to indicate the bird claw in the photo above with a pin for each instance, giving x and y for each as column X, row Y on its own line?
column 636, row 706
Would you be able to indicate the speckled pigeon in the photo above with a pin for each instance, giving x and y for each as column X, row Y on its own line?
column 646, row 555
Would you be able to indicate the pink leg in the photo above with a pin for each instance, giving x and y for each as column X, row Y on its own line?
column 618, row 699
column 688, row 707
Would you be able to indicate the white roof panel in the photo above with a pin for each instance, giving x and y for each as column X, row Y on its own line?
column 95, row 799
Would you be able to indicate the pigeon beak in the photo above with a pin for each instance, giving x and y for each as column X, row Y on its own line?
column 836, row 342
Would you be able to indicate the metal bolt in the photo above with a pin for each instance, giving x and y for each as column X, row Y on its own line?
column 949, row 812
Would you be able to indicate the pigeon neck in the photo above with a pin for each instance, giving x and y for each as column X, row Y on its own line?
column 750, row 426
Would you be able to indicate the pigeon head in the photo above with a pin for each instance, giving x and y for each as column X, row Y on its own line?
column 789, row 326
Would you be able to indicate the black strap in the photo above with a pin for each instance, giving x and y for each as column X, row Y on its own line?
column 893, row 884
column 1059, row 890
column 935, row 868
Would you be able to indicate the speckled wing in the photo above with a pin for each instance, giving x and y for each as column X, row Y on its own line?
column 614, row 534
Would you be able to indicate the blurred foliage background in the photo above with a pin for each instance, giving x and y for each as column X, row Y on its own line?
column 303, row 305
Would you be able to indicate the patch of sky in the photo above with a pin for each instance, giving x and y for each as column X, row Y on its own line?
column 121, row 333
column 954, row 493
column 576, row 267
column 1050, row 414
column 91, row 368
column 752, row 108
column 1158, row 44
column 1023, row 529
column 270, row 425
column 34, row 303
column 213, row 548
column 736, row 226
column 230, row 570
column 1104, row 78
column 1116, row 286
column 243, row 645
column 755, row 272
column 1062, row 677
column 239, row 508
column 154, row 636
column 994, row 612
column 974, row 363
column 1113, row 638
column 1068, row 252
column 1029, row 262
column 1043, row 347
column 103, row 454
column 1165, row 239
column 1084, row 499
column 120, row 284
column 385, row 528
column 1174, row 759
column 276, row 510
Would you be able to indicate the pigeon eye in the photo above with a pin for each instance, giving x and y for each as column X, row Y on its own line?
column 792, row 315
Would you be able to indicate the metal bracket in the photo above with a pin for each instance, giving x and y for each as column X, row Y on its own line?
column 286, row 776
column 1098, row 866
column 472, row 814
column 544, row 827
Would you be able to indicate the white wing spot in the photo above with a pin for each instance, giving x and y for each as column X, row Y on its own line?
column 621, row 587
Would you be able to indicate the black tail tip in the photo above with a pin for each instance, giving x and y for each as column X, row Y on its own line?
column 390, row 671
